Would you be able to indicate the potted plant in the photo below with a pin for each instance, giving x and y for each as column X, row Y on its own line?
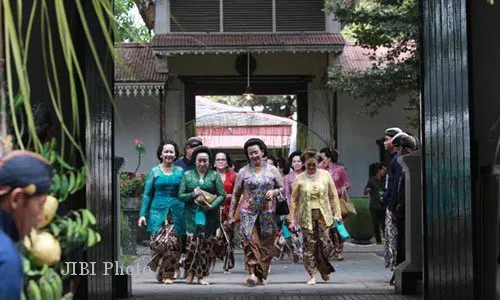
column 132, row 184
column 360, row 226
column 131, row 189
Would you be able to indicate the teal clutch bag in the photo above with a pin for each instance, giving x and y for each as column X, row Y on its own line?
column 343, row 233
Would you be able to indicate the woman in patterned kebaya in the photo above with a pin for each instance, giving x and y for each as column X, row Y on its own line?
column 259, row 182
column 317, row 208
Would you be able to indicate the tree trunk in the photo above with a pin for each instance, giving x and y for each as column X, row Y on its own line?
column 147, row 11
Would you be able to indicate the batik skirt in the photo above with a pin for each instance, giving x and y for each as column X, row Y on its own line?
column 317, row 246
column 199, row 255
column 288, row 243
column 166, row 252
column 259, row 252
column 391, row 234
column 224, row 246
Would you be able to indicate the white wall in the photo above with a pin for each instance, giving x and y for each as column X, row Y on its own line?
column 137, row 118
column 357, row 134
column 319, row 115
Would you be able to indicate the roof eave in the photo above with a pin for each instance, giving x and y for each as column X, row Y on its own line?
column 134, row 88
column 171, row 51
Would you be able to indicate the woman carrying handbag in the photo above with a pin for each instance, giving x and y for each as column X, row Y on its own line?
column 317, row 210
column 329, row 161
column 258, row 182
column 202, row 191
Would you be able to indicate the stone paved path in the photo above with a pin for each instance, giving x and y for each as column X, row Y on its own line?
column 361, row 276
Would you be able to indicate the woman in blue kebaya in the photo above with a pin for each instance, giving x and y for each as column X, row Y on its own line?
column 160, row 202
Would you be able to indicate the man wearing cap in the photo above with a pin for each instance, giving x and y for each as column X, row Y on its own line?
column 25, row 180
column 393, row 171
column 404, row 144
column 185, row 162
column 394, row 166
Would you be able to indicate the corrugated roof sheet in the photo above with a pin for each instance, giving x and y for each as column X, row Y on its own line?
column 237, row 42
column 246, row 39
column 136, row 63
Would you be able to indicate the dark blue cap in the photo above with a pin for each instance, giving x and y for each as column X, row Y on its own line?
column 27, row 170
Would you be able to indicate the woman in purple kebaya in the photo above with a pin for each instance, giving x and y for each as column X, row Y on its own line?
column 258, row 182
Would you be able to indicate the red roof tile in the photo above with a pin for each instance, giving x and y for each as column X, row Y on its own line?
column 354, row 57
column 136, row 63
column 237, row 41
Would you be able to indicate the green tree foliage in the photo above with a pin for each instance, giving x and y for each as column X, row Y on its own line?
column 283, row 106
column 127, row 29
column 391, row 25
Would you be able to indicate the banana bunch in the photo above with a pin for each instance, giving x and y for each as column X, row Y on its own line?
column 47, row 287
column 74, row 230
column 68, row 183
column 69, row 180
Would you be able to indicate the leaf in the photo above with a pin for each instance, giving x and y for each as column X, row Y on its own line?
column 63, row 164
column 389, row 26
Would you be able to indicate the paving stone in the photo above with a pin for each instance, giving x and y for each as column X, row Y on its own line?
column 361, row 276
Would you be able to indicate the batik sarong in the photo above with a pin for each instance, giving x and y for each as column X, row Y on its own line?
column 317, row 247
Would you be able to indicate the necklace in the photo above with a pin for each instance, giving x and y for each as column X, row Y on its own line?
column 202, row 180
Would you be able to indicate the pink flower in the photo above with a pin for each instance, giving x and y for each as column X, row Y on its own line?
column 137, row 141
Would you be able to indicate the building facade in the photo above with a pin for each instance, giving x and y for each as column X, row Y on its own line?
column 202, row 47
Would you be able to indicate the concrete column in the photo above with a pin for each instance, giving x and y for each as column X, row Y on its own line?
column 118, row 163
column 331, row 25
column 162, row 16
column 174, row 112
column 409, row 272
column 162, row 26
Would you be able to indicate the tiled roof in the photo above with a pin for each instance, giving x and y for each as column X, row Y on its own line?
column 358, row 58
column 240, row 42
column 136, row 63
column 354, row 58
